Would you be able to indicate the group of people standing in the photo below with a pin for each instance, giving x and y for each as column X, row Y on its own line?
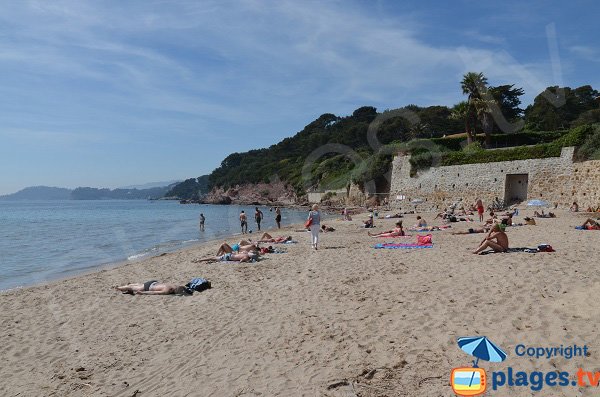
column 258, row 217
column 313, row 222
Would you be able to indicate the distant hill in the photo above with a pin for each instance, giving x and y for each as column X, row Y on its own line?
column 151, row 185
column 87, row 193
column 91, row 193
column 39, row 193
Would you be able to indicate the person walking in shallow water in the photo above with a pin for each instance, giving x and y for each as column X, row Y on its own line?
column 202, row 219
column 278, row 217
column 244, row 222
column 314, row 217
column 258, row 215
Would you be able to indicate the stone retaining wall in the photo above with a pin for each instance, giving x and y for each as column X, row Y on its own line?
column 556, row 179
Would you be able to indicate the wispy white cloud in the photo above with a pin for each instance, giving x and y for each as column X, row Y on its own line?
column 232, row 69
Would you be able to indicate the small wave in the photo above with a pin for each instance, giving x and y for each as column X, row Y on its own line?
column 137, row 256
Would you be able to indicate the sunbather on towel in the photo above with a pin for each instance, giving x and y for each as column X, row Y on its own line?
column 153, row 288
column 267, row 238
column 496, row 240
column 228, row 249
column 473, row 230
column 398, row 231
column 591, row 224
column 233, row 257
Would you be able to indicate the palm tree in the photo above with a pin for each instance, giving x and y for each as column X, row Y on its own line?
column 460, row 111
column 478, row 105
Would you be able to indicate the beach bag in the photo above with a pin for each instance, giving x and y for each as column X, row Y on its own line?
column 308, row 223
column 424, row 240
column 198, row 284
column 545, row 248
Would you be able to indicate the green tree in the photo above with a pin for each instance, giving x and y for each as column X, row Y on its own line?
column 474, row 85
column 558, row 107
column 508, row 100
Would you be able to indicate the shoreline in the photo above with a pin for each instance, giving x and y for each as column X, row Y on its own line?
column 103, row 267
column 26, row 278
column 306, row 322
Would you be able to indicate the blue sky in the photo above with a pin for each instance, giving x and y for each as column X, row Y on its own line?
column 113, row 93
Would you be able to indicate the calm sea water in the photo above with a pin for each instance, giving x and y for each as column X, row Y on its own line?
column 45, row 240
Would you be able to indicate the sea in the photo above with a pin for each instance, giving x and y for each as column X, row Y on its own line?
column 42, row 241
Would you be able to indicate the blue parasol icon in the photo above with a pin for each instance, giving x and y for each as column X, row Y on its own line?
column 482, row 348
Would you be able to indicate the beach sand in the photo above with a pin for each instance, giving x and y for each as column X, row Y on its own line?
column 346, row 320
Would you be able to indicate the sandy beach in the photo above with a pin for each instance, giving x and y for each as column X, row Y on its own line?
column 346, row 320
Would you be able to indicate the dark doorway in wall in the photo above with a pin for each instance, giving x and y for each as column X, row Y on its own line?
column 515, row 188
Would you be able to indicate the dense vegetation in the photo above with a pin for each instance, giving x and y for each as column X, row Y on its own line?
column 92, row 193
column 192, row 188
column 331, row 151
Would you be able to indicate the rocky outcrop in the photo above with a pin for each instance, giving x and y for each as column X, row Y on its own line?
column 277, row 193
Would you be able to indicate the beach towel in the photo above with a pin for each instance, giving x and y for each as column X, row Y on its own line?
column 401, row 246
column 540, row 248
column 584, row 228
column 422, row 242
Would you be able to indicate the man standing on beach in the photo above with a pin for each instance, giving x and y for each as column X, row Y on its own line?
column 244, row 222
column 202, row 219
column 278, row 217
column 258, row 215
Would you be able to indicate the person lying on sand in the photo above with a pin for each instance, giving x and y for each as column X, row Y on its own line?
column 529, row 221
column 153, row 287
column 267, row 238
column 228, row 249
column 496, row 240
column 233, row 257
column 473, row 230
column 398, row 231
column 542, row 215
column 326, row 229
column 591, row 224
column 396, row 215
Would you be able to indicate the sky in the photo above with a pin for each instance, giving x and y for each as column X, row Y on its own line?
column 114, row 93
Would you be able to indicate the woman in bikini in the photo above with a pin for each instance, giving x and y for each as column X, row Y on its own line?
column 267, row 238
column 397, row 232
column 230, row 257
column 153, row 287
column 242, row 246
column 591, row 224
